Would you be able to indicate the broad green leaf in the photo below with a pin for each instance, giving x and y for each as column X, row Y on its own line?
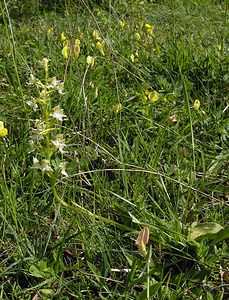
column 40, row 270
column 36, row 272
column 49, row 292
column 219, row 163
column 223, row 234
column 208, row 230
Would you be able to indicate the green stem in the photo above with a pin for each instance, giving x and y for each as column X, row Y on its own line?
column 46, row 115
column 148, row 271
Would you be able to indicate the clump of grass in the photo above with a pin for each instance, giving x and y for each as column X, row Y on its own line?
column 114, row 150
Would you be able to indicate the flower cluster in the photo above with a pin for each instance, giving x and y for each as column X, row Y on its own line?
column 99, row 43
column 67, row 50
column 46, row 139
column 143, row 38
column 149, row 29
column 152, row 40
column 134, row 57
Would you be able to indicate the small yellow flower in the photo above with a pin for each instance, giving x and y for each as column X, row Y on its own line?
column 136, row 56
column 96, row 35
column 149, row 28
column 196, row 104
column 50, row 30
column 63, row 37
column 118, row 107
column 153, row 96
column 150, row 31
column 99, row 46
column 65, row 52
column 66, row 43
column 132, row 58
column 137, row 36
column 76, row 48
column 122, row 24
column 77, row 42
column 3, row 130
column 91, row 61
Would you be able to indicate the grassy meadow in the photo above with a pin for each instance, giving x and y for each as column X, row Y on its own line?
column 114, row 150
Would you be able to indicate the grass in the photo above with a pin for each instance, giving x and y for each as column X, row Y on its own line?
column 140, row 153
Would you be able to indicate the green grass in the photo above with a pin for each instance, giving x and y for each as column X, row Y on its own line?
column 138, row 153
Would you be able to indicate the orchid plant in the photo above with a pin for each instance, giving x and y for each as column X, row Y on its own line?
column 46, row 140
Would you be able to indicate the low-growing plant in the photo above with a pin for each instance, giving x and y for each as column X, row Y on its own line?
column 114, row 150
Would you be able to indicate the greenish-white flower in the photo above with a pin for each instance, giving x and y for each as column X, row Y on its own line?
column 39, row 131
column 58, row 113
column 59, row 142
column 56, row 85
column 62, row 168
column 43, row 165
column 32, row 103
column 118, row 107
column 32, row 79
